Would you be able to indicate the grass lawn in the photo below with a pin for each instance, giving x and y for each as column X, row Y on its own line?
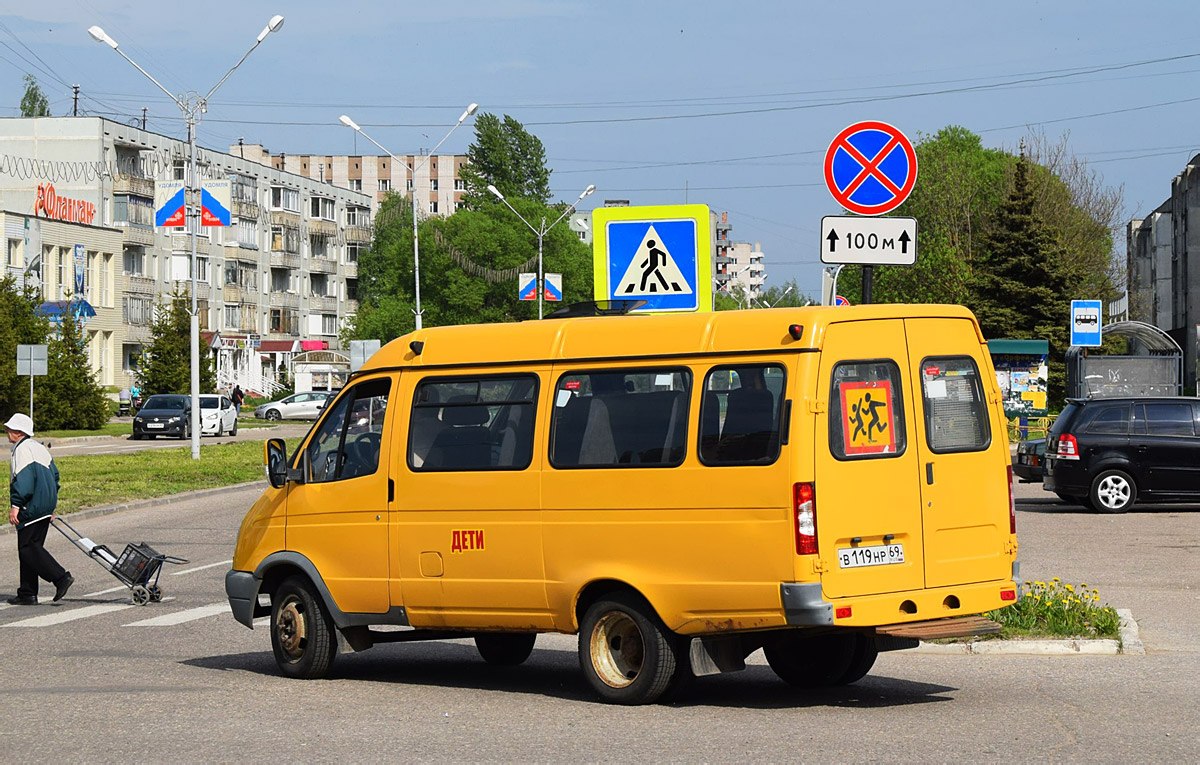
column 105, row 479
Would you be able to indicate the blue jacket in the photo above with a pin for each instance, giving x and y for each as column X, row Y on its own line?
column 33, row 486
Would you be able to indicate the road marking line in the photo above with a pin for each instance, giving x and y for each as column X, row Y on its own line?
column 105, row 592
column 181, row 617
column 69, row 616
column 201, row 568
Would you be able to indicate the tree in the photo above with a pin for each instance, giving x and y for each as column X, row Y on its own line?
column 507, row 156
column 34, row 102
column 69, row 397
column 166, row 360
column 19, row 325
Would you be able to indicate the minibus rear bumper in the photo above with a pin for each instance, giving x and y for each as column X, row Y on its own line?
column 805, row 606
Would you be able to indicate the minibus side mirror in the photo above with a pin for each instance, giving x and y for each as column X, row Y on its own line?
column 275, row 461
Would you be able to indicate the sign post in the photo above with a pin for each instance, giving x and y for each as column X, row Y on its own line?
column 1085, row 323
column 32, row 360
column 870, row 169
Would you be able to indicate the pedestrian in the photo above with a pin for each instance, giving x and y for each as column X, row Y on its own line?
column 237, row 396
column 33, row 495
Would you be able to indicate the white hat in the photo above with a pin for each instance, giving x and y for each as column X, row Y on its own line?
column 20, row 423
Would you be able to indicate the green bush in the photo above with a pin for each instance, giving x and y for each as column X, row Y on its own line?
column 1056, row 609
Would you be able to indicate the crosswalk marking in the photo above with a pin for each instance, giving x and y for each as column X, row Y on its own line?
column 181, row 617
column 70, row 616
column 201, row 568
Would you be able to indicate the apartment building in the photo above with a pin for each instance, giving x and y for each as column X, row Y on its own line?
column 281, row 279
column 439, row 189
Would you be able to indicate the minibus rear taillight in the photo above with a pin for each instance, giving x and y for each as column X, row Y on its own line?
column 805, row 523
column 1065, row 447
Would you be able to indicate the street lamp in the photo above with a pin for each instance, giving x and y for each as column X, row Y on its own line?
column 541, row 232
column 192, row 105
column 412, row 193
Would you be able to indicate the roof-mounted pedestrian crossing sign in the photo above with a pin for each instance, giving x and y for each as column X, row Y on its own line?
column 659, row 254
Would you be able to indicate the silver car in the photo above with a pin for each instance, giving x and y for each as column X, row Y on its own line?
column 298, row 406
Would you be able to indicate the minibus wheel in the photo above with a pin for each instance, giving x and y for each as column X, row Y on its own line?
column 302, row 634
column 627, row 654
column 822, row 660
column 505, row 650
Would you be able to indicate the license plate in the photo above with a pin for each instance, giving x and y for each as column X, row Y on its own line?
column 875, row 555
column 154, row 425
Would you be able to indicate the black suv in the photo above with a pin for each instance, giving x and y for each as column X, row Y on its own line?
column 1110, row 452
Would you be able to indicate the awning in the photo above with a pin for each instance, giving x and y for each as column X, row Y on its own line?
column 277, row 346
column 314, row 345
column 54, row 309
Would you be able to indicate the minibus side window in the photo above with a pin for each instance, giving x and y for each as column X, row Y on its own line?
column 346, row 444
column 621, row 418
column 956, row 418
column 739, row 415
column 866, row 410
column 473, row 424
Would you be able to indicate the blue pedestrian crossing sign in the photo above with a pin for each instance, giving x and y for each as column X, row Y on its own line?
column 659, row 254
column 1085, row 323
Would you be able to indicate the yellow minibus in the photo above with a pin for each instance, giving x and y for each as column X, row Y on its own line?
column 679, row 490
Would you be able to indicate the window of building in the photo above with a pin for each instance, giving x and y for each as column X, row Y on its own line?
column 319, row 285
column 244, row 188
column 201, row 269
column 353, row 251
column 356, row 184
column 283, row 198
column 134, row 261
column 740, row 415
column 133, row 211
column 628, row 418
column 473, row 424
column 385, row 184
column 318, row 246
column 956, row 418
column 460, row 184
column 285, row 239
column 320, row 207
column 352, row 289
column 247, row 233
column 232, row 317
column 137, row 310
column 433, row 184
column 329, row 324
column 179, row 170
column 866, row 410
column 357, row 216
column 347, row 442
column 433, row 207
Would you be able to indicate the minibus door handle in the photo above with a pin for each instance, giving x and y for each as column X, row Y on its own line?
column 929, row 473
column 391, row 490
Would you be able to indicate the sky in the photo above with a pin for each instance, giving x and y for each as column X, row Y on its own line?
column 728, row 104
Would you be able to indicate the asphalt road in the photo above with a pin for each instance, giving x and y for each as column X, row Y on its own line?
column 94, row 678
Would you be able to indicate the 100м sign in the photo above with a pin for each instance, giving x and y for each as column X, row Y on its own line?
column 870, row 241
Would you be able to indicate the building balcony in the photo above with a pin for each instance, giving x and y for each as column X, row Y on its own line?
column 245, row 209
column 285, row 218
column 349, row 307
column 183, row 243
column 132, row 184
column 284, row 260
column 359, row 234
column 350, row 270
column 322, row 227
column 135, row 234
column 283, row 300
column 322, row 265
column 322, row 303
column 141, row 285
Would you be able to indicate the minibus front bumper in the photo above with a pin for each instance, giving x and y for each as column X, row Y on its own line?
column 241, row 587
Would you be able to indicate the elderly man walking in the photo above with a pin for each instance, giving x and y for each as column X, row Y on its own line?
column 33, row 491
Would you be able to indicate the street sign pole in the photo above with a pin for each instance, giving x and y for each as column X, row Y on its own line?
column 868, row 279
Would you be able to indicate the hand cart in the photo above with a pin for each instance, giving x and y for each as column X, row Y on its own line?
column 137, row 567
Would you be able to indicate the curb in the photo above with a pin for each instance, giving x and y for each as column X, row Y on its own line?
column 1129, row 643
column 167, row 499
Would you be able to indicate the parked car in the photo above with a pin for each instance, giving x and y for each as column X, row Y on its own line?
column 218, row 415
column 298, row 406
column 1109, row 453
column 1029, row 463
column 163, row 414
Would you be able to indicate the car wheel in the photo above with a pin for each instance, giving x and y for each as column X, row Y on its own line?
column 505, row 650
column 234, row 431
column 274, row 415
column 135, row 437
column 1113, row 491
column 302, row 631
column 821, row 661
column 626, row 653
column 220, row 428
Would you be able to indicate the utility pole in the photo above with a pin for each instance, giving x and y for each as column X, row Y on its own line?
column 75, row 107
column 143, row 118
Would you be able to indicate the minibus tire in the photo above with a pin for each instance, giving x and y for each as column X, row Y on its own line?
column 302, row 631
column 505, row 650
column 865, row 653
column 815, row 662
column 625, row 651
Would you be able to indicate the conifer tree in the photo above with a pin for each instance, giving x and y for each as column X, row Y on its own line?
column 69, row 398
column 166, row 360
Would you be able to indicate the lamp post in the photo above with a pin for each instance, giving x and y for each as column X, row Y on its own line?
column 412, row 193
column 541, row 232
column 193, row 106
